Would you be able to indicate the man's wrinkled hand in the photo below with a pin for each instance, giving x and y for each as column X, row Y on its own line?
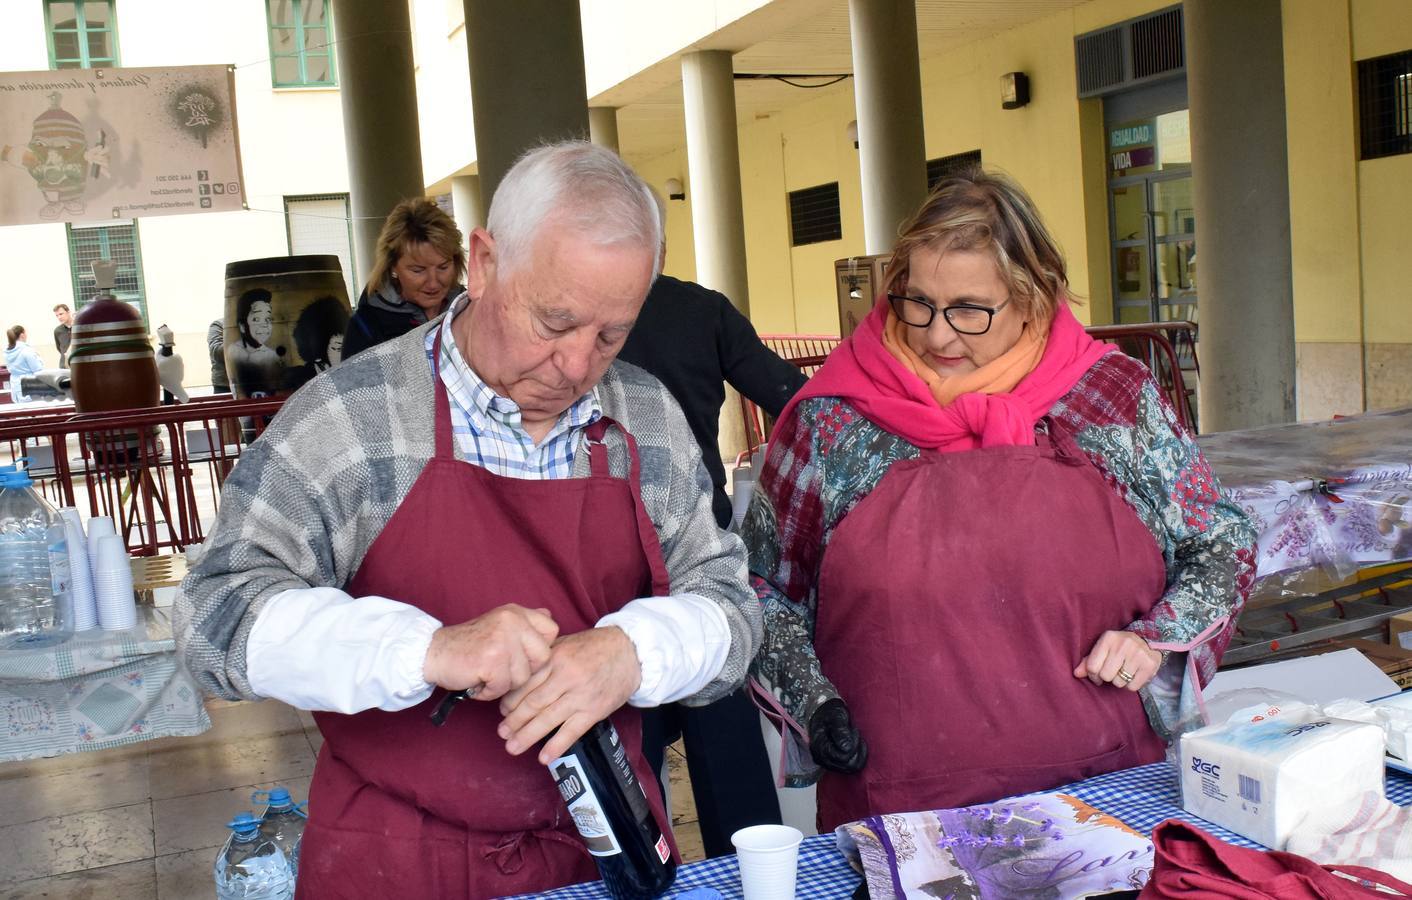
column 588, row 676
column 500, row 650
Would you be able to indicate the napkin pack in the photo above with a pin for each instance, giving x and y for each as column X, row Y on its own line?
column 1267, row 777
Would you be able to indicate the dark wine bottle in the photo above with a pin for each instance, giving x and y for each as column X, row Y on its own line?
column 610, row 810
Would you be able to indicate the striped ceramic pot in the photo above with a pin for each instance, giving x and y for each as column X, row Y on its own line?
column 110, row 360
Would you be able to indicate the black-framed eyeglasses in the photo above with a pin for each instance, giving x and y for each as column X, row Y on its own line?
column 964, row 318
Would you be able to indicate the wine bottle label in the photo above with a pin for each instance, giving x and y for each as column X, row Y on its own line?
column 622, row 771
column 584, row 806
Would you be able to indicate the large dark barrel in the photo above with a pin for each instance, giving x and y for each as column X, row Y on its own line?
column 285, row 319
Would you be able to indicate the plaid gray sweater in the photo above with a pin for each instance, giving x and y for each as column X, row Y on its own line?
column 308, row 499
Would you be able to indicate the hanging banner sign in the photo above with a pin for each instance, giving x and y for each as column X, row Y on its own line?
column 89, row 145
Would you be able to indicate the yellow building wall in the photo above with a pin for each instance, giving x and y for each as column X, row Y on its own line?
column 1041, row 145
column 1380, row 27
column 1322, row 130
column 1384, row 195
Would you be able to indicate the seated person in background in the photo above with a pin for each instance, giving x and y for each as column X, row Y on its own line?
column 417, row 273
column 21, row 359
column 694, row 341
column 992, row 561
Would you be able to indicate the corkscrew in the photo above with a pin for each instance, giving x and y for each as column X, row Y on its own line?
column 443, row 709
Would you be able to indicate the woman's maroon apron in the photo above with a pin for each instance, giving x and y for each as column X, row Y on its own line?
column 954, row 603
column 401, row 808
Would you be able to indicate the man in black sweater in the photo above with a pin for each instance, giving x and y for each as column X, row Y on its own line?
column 693, row 340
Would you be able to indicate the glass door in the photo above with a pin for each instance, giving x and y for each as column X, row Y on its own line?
column 1154, row 248
column 1153, row 221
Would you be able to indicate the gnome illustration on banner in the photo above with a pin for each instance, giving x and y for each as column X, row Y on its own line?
column 60, row 160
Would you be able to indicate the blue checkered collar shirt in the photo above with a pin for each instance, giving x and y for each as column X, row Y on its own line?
column 487, row 427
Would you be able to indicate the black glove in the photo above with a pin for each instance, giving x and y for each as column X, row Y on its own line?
column 833, row 741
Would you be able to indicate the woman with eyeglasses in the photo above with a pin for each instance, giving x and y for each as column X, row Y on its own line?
column 991, row 560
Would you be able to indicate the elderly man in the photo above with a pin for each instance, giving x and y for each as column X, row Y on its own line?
column 490, row 502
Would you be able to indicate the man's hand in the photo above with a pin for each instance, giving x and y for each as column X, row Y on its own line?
column 500, row 650
column 589, row 675
column 1120, row 658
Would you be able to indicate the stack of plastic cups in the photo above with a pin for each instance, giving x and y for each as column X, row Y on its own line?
column 112, row 584
column 98, row 527
column 80, row 571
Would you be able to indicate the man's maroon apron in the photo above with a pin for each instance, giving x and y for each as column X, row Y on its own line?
column 401, row 808
column 954, row 603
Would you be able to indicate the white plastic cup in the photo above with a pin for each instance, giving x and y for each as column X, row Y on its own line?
column 98, row 527
column 71, row 514
column 112, row 585
column 769, row 859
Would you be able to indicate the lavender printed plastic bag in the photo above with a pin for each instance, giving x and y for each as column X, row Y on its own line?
column 1037, row 846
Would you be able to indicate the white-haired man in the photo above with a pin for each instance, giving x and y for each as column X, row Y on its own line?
column 490, row 502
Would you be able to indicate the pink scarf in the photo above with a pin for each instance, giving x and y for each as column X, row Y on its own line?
column 863, row 372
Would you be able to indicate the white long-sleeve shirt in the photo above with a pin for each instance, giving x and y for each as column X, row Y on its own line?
column 310, row 647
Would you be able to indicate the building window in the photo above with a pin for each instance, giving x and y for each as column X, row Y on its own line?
column 322, row 223
column 301, row 43
column 83, row 34
column 1385, row 105
column 814, row 215
column 943, row 166
column 118, row 243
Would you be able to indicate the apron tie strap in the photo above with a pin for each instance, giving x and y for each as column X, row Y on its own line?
column 508, row 853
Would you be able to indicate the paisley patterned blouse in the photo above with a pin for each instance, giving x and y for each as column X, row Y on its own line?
column 827, row 457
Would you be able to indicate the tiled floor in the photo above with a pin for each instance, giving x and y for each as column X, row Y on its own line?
column 146, row 821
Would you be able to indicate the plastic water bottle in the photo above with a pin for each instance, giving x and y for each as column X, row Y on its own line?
column 282, row 823
column 250, row 866
column 35, row 604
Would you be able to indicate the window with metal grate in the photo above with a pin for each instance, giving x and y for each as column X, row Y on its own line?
column 116, row 242
column 943, row 166
column 1385, row 105
column 814, row 215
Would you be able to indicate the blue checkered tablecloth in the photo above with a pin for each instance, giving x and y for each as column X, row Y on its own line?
column 1140, row 797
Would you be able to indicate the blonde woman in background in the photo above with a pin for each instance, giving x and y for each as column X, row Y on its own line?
column 418, row 272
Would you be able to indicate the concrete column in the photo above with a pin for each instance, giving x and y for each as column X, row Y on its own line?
column 1235, row 82
column 713, row 164
column 887, row 88
column 603, row 126
column 379, row 94
column 527, row 80
column 467, row 203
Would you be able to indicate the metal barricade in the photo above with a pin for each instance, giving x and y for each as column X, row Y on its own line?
column 157, row 472
column 1168, row 349
column 807, row 351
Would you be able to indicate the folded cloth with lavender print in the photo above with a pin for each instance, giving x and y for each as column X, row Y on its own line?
column 1037, row 846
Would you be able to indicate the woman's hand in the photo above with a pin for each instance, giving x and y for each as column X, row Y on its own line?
column 834, row 741
column 1120, row 658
